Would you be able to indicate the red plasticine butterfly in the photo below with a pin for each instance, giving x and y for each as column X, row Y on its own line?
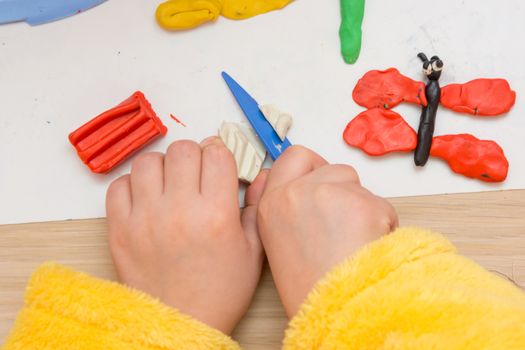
column 379, row 130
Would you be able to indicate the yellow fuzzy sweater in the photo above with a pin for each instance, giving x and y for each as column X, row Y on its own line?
column 409, row 290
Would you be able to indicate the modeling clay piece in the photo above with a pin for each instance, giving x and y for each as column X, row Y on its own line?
column 469, row 156
column 432, row 70
column 388, row 88
column 36, row 12
column 187, row 14
column 177, row 120
column 486, row 97
column 377, row 131
column 352, row 13
column 109, row 138
column 281, row 122
column 248, row 151
column 466, row 155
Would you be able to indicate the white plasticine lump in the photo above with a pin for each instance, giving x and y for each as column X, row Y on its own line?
column 281, row 122
column 248, row 151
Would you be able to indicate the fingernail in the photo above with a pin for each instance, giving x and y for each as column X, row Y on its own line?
column 209, row 141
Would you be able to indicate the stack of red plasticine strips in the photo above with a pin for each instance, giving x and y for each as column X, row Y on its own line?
column 108, row 139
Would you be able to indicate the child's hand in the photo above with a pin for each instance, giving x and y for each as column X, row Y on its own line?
column 311, row 217
column 175, row 231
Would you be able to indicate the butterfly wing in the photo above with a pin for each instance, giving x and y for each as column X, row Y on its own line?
column 467, row 155
column 377, row 131
column 387, row 88
column 484, row 97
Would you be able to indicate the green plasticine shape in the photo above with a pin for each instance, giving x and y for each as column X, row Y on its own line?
column 352, row 13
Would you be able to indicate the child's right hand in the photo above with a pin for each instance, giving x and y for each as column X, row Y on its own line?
column 311, row 217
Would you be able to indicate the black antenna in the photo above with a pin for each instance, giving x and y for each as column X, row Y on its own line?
column 422, row 57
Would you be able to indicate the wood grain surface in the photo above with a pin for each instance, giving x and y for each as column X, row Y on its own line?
column 488, row 227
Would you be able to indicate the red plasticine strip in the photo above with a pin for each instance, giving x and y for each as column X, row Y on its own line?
column 108, row 139
column 177, row 120
column 487, row 97
column 388, row 88
column 467, row 155
column 377, row 131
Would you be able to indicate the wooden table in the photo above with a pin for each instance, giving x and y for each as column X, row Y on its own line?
column 488, row 227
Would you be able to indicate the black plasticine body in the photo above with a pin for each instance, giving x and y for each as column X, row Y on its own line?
column 432, row 69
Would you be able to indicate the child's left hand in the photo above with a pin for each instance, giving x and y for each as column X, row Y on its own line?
column 175, row 231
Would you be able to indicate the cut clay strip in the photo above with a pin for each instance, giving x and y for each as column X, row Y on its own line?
column 248, row 151
column 281, row 122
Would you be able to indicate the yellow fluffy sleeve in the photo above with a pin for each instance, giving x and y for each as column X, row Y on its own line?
column 70, row 310
column 410, row 290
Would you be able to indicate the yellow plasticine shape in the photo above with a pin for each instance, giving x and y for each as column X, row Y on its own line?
column 187, row 14
column 241, row 9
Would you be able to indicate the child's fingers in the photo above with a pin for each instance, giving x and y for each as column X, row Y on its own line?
column 333, row 173
column 295, row 162
column 219, row 172
column 249, row 214
column 383, row 207
column 118, row 199
column 254, row 192
column 394, row 218
column 147, row 178
column 182, row 168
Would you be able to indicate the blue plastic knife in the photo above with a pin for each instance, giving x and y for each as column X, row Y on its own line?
column 274, row 145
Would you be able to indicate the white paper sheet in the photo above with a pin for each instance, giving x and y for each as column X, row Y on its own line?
column 55, row 77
